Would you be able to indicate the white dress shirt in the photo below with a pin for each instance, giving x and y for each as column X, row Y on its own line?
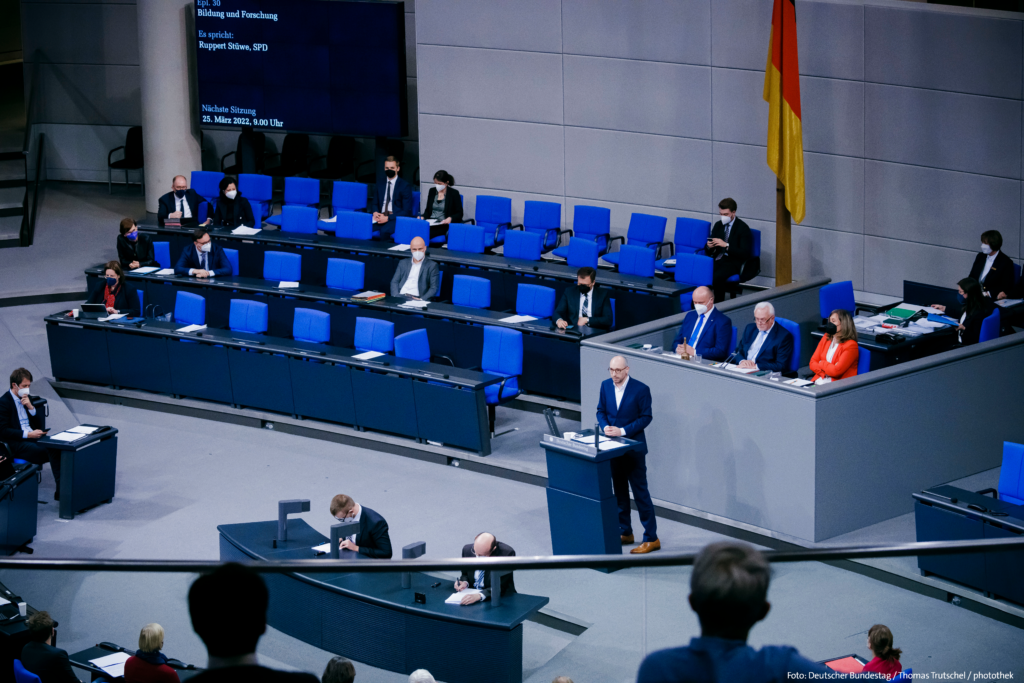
column 358, row 517
column 587, row 299
column 181, row 205
column 23, row 415
column 412, row 283
column 389, row 194
column 830, row 354
column 619, row 393
column 960, row 333
column 989, row 260
column 204, row 258
column 699, row 327
column 755, row 348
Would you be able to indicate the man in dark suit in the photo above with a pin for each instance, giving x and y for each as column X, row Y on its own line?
column 181, row 202
column 992, row 268
column 731, row 244
column 765, row 345
column 624, row 409
column 584, row 304
column 372, row 539
column 19, row 428
column 203, row 258
column 417, row 277
column 38, row 656
column 134, row 250
column 484, row 545
column 705, row 331
column 394, row 198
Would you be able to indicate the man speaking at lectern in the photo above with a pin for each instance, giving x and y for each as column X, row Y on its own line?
column 624, row 409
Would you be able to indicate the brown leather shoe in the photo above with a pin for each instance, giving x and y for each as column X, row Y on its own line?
column 627, row 540
column 646, row 547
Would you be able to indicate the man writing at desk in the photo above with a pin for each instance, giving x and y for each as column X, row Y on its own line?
column 484, row 545
column 416, row 277
column 372, row 539
column 584, row 304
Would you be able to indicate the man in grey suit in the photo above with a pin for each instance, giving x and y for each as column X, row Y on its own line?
column 418, row 277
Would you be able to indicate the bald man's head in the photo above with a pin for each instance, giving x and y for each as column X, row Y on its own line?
column 418, row 248
column 703, row 295
column 484, row 544
column 618, row 368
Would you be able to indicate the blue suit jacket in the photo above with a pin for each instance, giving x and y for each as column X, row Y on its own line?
column 218, row 260
column 401, row 202
column 633, row 414
column 774, row 354
column 714, row 340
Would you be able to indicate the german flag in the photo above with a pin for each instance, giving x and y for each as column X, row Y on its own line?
column 782, row 93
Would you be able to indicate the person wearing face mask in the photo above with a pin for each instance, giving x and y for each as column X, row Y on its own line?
column 115, row 292
column 181, row 202
column 444, row 204
column 19, row 430
column 585, row 304
column 203, row 258
column 394, row 198
column 416, row 277
column 731, row 244
column 975, row 307
column 706, row 331
column 837, row 352
column 992, row 268
column 372, row 539
column 233, row 210
column 134, row 250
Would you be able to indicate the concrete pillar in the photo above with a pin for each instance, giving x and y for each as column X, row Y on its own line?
column 169, row 135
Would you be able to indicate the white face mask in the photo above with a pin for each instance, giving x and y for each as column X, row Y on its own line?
column 725, row 220
column 441, row 187
column 700, row 308
column 206, row 247
column 985, row 249
column 417, row 256
column 231, row 194
column 23, row 392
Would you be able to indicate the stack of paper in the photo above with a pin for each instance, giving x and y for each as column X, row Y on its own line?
column 367, row 355
column 285, row 284
column 414, row 304
column 112, row 316
column 67, row 437
column 165, row 271
column 190, row 328
column 82, row 429
column 517, row 319
column 242, row 230
column 456, row 598
column 399, row 247
column 112, row 665
column 144, row 270
column 737, row 368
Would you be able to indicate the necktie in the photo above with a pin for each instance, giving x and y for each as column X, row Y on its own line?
column 202, row 256
column 586, row 306
column 387, row 198
column 728, row 228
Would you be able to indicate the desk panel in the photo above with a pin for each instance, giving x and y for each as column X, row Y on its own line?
column 260, row 380
column 199, row 370
column 1004, row 571
column 435, row 405
column 385, row 402
column 322, row 390
column 139, row 362
column 936, row 524
column 78, row 354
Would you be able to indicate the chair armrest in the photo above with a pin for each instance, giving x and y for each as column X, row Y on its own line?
column 497, row 228
column 360, row 165
column 309, row 165
column 517, row 225
column 450, row 361
column 613, row 240
column 661, row 245
column 471, row 221
column 995, row 493
column 111, row 153
column 225, row 158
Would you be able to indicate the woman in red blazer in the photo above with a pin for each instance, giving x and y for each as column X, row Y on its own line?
column 837, row 352
column 149, row 665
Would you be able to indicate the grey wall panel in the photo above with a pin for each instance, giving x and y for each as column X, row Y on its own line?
column 637, row 96
column 89, row 94
column 524, row 157
column 888, row 262
column 741, row 172
column 79, row 152
column 834, row 190
column 943, row 51
column 657, row 30
column 493, row 84
column 532, row 25
column 943, row 130
column 739, row 33
column 832, row 116
column 100, row 33
column 830, row 40
column 739, row 111
column 410, row 45
column 596, row 159
column 943, row 208
column 838, row 255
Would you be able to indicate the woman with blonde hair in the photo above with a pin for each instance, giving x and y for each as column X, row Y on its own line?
column 837, row 352
column 149, row 665
column 887, row 657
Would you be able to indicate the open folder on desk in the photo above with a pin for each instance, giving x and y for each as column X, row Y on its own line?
column 944, row 319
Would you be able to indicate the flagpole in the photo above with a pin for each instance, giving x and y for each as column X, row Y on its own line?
column 783, row 232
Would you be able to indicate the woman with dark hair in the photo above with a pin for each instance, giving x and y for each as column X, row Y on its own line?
column 117, row 294
column 233, row 210
column 444, row 204
column 887, row 657
column 992, row 268
column 837, row 352
column 976, row 307
column 134, row 250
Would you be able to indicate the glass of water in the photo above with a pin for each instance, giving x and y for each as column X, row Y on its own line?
column 696, row 358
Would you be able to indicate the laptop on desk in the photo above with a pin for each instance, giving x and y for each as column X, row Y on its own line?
column 92, row 311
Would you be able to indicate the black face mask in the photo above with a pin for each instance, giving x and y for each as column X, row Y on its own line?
column 584, row 289
column 390, row 172
column 830, row 329
column 179, row 193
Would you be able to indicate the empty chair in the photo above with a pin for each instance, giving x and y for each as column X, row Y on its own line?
column 292, row 159
column 348, row 197
column 645, row 231
column 582, row 252
column 794, row 330
column 634, row 260
column 535, row 300
column 694, row 269
column 543, row 219
column 345, row 274
column 207, row 184
column 494, row 215
column 300, row 219
column 863, row 360
column 249, row 155
column 352, row 225
column 836, row 295
column 465, row 237
column 298, row 192
column 131, row 159
column 520, row 244
column 279, row 265
column 232, row 255
column 690, row 236
column 1011, row 475
column 593, row 223
column 248, row 316
column 259, row 190
column 503, row 356
column 310, row 325
column 471, row 291
column 990, row 327
column 373, row 334
column 189, row 308
column 413, row 345
column 162, row 253
column 407, row 228
column 338, row 162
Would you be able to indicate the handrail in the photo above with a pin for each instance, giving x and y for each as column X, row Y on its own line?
column 28, row 227
column 668, row 559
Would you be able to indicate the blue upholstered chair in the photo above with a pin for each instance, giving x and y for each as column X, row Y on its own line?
column 750, row 269
column 162, row 253
column 310, row 325
column 207, row 185
column 794, row 329
column 142, row 299
column 416, row 204
column 581, row 252
column 352, row 225
column 836, row 295
column 345, row 274
column 232, row 255
column 279, row 265
column 413, row 345
column 694, row 269
column 690, row 235
column 298, row 192
column 644, row 231
column 373, row 334
column 408, row 228
column 259, row 190
column 593, row 223
column 686, row 301
column 634, row 260
column 503, row 356
column 466, row 237
column 543, row 219
column 494, row 215
column 248, row 316
column 23, row 675
column 990, row 327
column 471, row 291
column 347, row 196
column 535, row 300
column 523, row 245
column 1011, row 475
column 189, row 308
column 300, row 219
column 735, row 337
column 863, row 360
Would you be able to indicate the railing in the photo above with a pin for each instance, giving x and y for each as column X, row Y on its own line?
column 28, row 225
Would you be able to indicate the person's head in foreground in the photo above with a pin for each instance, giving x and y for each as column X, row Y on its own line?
column 40, row 627
column 421, row 676
column 339, row 670
column 229, row 590
column 729, row 589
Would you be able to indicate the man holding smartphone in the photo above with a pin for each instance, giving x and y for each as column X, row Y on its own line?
column 17, row 415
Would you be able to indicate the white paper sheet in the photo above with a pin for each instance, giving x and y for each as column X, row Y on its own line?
column 323, row 548
column 112, row 665
column 1003, row 303
column 67, row 437
column 737, row 368
column 285, row 284
column 399, row 247
column 165, row 271
column 456, row 598
column 144, row 270
column 432, row 222
column 367, row 355
column 190, row 328
column 242, row 230
column 517, row 319
column 797, row 382
column 114, row 316
column 332, row 219
column 414, row 304
column 82, row 429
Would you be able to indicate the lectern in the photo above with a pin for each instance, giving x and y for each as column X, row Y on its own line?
column 582, row 510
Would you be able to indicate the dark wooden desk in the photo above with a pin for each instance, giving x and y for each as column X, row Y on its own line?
column 81, row 660
column 88, row 469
